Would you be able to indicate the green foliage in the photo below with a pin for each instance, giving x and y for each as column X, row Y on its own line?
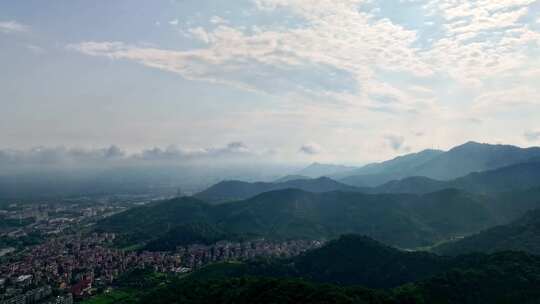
column 523, row 235
column 506, row 277
column 147, row 222
column 512, row 178
column 262, row 291
column 14, row 223
column 398, row 219
column 238, row 190
column 31, row 239
column 114, row 297
column 349, row 260
column 360, row 260
column 186, row 234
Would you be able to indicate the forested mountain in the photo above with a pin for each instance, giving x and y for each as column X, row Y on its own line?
column 457, row 162
column 403, row 220
column 378, row 173
column 514, row 177
column 348, row 260
column 474, row 157
column 153, row 220
column 187, row 234
column 507, row 277
column 414, row 184
column 522, row 234
column 354, row 259
column 237, row 190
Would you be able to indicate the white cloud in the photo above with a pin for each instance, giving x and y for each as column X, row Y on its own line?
column 396, row 142
column 341, row 68
column 532, row 135
column 482, row 38
column 68, row 156
column 311, row 149
column 231, row 150
column 218, row 20
column 338, row 36
column 8, row 27
column 60, row 155
column 35, row 49
column 174, row 22
column 505, row 99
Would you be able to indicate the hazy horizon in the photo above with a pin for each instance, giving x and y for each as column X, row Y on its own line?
column 347, row 81
column 233, row 154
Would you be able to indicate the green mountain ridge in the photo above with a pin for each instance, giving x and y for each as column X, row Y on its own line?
column 403, row 220
column 514, row 177
column 521, row 235
column 187, row 234
column 519, row 176
column 438, row 165
column 331, row 274
column 238, row 190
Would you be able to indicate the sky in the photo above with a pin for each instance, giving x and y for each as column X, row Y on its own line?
column 342, row 81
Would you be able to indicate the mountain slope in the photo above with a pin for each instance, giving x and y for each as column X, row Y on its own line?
column 348, row 260
column 354, row 259
column 514, row 177
column 237, row 190
column 505, row 277
column 378, row 173
column 397, row 165
column 522, row 234
column 403, row 220
column 474, row 157
column 187, row 234
column 457, row 162
column 317, row 170
column 155, row 219
column 414, row 184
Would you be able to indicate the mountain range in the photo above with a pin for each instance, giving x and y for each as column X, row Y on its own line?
column 439, row 165
column 404, row 220
column 462, row 226
column 519, row 176
column 514, row 177
column 238, row 190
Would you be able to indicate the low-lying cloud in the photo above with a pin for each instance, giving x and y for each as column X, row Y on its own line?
column 62, row 156
column 310, row 149
column 397, row 143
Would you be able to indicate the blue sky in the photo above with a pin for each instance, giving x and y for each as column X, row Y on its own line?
column 346, row 81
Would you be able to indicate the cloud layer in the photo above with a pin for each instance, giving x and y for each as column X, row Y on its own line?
column 8, row 27
column 337, row 39
column 61, row 156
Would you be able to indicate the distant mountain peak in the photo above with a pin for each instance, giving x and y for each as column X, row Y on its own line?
column 237, row 190
column 474, row 143
column 469, row 145
column 318, row 169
